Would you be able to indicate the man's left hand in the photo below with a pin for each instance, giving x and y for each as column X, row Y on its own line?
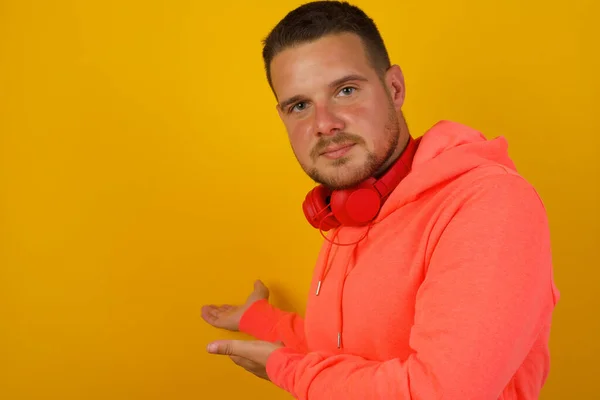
column 250, row 355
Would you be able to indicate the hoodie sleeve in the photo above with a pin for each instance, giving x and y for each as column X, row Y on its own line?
column 266, row 322
column 486, row 298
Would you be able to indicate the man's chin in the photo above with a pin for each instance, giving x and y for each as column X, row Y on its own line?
column 337, row 182
column 344, row 173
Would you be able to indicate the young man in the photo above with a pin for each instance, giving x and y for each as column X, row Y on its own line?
column 436, row 278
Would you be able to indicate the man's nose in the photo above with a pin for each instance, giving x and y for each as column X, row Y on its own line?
column 327, row 122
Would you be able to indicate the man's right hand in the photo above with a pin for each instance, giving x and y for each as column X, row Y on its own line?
column 228, row 316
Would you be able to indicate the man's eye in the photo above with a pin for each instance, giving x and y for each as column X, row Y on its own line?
column 347, row 90
column 298, row 107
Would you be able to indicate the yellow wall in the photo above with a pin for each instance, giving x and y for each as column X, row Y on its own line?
column 128, row 199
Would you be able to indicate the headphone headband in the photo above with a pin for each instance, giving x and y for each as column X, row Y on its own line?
column 401, row 167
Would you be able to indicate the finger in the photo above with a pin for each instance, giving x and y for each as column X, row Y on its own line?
column 215, row 312
column 258, row 284
column 212, row 308
column 231, row 348
column 261, row 289
column 224, row 347
column 206, row 309
column 208, row 313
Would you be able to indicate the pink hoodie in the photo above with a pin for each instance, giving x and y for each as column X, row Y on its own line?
column 450, row 295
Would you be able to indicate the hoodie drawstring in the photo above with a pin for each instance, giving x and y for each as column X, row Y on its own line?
column 340, row 294
column 327, row 264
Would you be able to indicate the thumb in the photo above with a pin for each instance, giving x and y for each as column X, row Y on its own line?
column 260, row 290
column 258, row 284
column 225, row 347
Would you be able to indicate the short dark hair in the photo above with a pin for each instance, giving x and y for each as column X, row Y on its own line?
column 316, row 19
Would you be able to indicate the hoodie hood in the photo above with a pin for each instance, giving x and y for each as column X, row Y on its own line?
column 446, row 151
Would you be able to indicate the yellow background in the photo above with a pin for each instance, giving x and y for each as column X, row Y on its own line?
column 144, row 173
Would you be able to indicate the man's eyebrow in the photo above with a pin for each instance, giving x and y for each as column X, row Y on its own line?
column 290, row 101
column 347, row 78
column 353, row 77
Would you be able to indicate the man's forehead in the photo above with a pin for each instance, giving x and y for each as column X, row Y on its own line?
column 332, row 49
column 315, row 65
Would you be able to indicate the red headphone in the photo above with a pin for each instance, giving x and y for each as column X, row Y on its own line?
column 325, row 209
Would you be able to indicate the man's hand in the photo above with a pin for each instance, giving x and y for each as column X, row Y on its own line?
column 228, row 316
column 250, row 355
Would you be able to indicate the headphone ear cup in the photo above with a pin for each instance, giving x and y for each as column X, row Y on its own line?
column 357, row 206
column 316, row 209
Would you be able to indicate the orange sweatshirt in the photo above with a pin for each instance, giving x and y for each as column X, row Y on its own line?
column 450, row 295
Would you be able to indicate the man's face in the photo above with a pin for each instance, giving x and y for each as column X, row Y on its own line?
column 341, row 118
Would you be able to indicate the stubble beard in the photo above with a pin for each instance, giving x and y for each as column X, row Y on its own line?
column 345, row 176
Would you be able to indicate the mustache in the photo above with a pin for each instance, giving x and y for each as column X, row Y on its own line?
column 341, row 138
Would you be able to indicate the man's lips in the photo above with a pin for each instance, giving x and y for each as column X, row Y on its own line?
column 336, row 151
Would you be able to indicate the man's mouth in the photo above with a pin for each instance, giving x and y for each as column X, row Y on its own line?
column 337, row 151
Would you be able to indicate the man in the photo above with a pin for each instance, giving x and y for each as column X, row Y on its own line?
column 435, row 280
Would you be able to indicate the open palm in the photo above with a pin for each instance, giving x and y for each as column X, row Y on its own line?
column 227, row 316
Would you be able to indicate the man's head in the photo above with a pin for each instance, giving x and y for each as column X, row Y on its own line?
column 337, row 93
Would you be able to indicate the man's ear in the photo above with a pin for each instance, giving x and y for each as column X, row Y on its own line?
column 394, row 79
